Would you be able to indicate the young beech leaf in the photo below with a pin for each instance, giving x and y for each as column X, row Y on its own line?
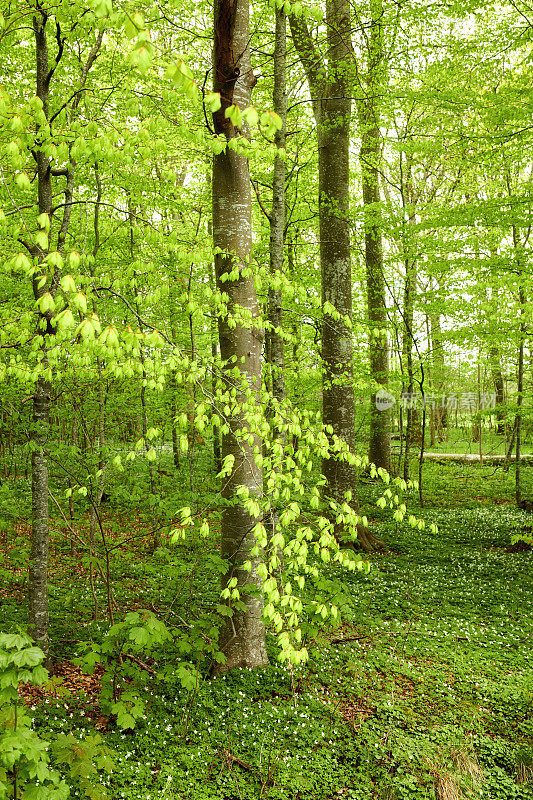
column 212, row 101
column 102, row 8
column 74, row 259
column 66, row 319
column 68, row 284
column 46, row 303
column 17, row 125
column 44, row 221
column 235, row 115
column 23, row 182
column 251, row 115
column 41, row 239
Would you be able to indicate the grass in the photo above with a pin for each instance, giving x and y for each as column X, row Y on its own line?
column 459, row 440
column 424, row 690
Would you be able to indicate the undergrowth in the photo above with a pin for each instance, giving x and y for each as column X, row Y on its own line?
column 422, row 689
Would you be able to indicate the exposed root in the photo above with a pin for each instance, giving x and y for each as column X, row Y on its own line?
column 368, row 541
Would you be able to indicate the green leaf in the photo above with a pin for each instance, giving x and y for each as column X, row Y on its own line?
column 29, row 657
column 212, row 101
column 102, row 8
column 140, row 636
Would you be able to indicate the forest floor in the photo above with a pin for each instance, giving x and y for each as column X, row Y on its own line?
column 424, row 690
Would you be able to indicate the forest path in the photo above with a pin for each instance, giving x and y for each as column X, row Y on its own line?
column 475, row 457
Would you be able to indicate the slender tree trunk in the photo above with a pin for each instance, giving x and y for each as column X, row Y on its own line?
column 407, row 347
column 277, row 215
column 296, row 343
column 519, row 401
column 38, row 567
column 102, row 398
column 100, row 443
column 144, row 375
column 217, row 443
column 439, row 371
column 74, row 443
column 192, row 410
column 275, row 348
column 217, row 448
column 499, row 387
column 242, row 637
column 174, row 414
column 172, row 383
column 520, row 376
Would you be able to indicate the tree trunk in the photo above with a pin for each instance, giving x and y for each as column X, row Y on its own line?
column 172, row 382
column 242, row 636
column 217, row 449
column 520, row 375
column 379, row 452
column 277, row 215
column 296, row 334
column 439, row 371
column 275, row 345
column 331, row 97
column 497, row 379
column 38, row 568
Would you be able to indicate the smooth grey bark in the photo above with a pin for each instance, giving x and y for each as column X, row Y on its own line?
column 181, row 175
column 144, row 375
column 407, row 350
column 520, row 397
column 330, row 86
column 277, row 214
column 330, row 91
column 379, row 451
column 174, row 413
column 275, row 351
column 242, row 636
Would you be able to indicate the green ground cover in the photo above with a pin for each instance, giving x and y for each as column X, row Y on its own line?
column 424, row 689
